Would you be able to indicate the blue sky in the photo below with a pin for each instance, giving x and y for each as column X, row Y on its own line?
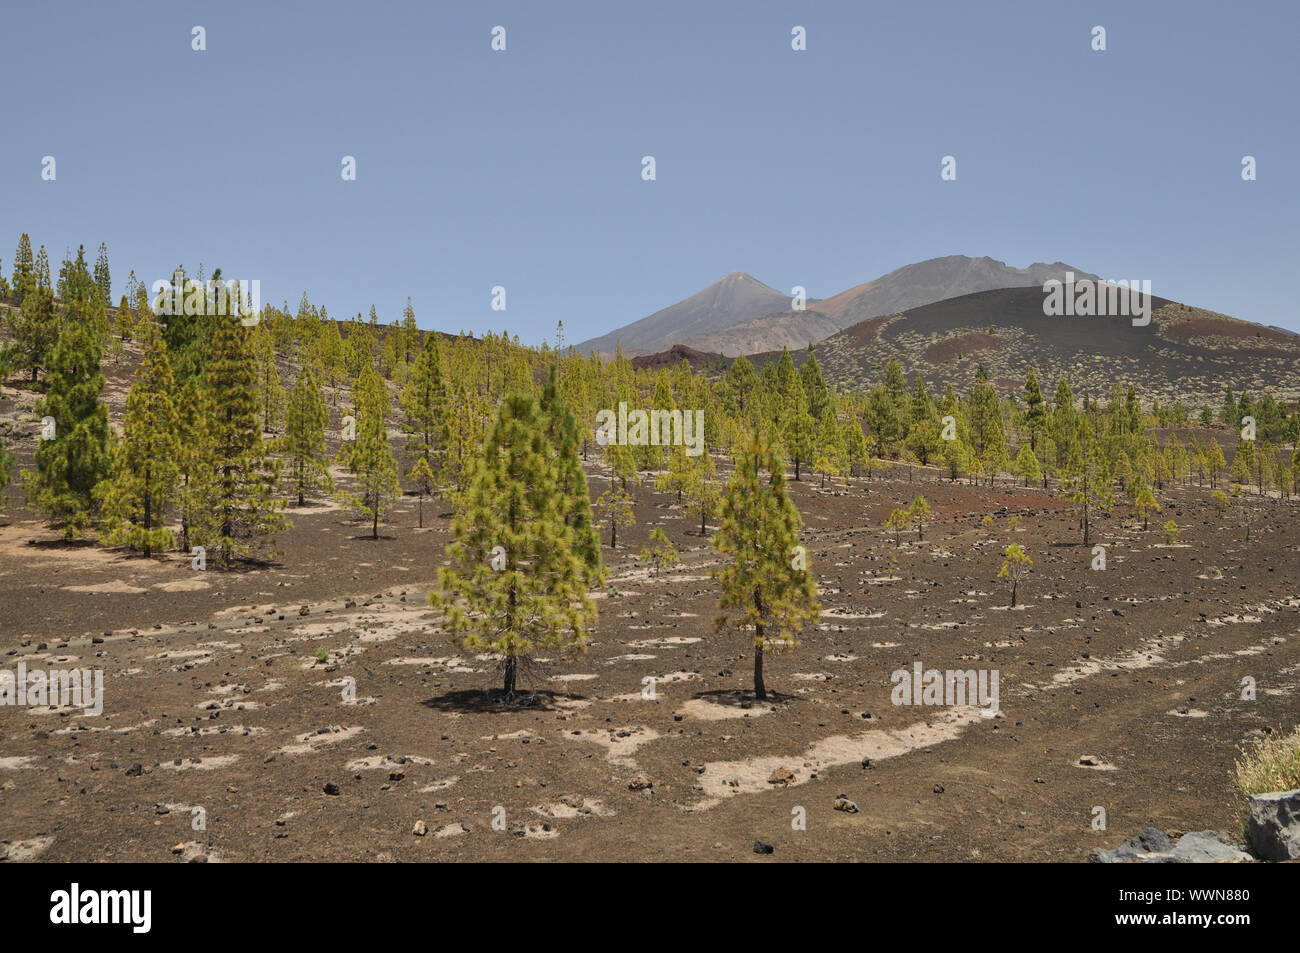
column 523, row 168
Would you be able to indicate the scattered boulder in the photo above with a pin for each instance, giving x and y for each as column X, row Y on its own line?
column 640, row 783
column 420, row 829
column 842, row 803
column 761, row 848
column 1153, row 846
column 781, row 776
column 1273, row 825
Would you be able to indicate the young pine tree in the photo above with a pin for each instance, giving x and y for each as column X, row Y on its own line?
column 6, row 473
column 32, row 331
column 515, row 582
column 422, row 477
column 270, row 392
column 304, row 438
column 767, row 582
column 616, row 509
column 564, row 436
column 369, row 458
column 238, row 512
column 70, row 466
column 702, row 489
column 145, row 470
column 424, row 402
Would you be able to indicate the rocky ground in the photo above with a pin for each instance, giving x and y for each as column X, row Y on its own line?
column 1119, row 689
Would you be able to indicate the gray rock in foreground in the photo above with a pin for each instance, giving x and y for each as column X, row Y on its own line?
column 1273, row 825
column 1152, row 846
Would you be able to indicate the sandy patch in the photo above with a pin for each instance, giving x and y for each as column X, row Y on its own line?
column 313, row 740
column 723, row 779
column 702, row 709
column 117, row 585
column 182, row 585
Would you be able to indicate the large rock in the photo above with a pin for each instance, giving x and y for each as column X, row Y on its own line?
column 1150, row 841
column 1206, row 847
column 1152, row 846
column 1273, row 826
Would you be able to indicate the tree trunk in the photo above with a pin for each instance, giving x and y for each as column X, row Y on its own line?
column 421, row 511
column 511, row 671
column 374, row 529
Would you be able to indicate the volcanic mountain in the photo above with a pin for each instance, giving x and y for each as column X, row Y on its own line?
column 732, row 299
column 740, row 315
column 1184, row 353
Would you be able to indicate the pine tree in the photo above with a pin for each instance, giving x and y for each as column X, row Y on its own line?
column 1027, row 465
column 855, row 443
column 33, row 330
column 304, row 438
column 424, row 402
column 563, row 435
column 6, row 473
column 814, row 386
column 239, row 512
column 919, row 514
column 515, row 582
column 103, row 280
column 41, row 270
column 422, row 477
column 1088, row 483
column 702, row 490
column 369, row 458
column 660, row 553
column 145, row 472
column 270, row 392
column 767, row 581
column 1035, row 413
column 673, row 479
column 24, row 274
column 1015, row 564
column 615, row 507
column 70, row 466
column 794, row 424
column 194, row 470
column 1145, row 504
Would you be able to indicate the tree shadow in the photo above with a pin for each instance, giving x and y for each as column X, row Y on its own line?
column 742, row 697
column 61, row 543
column 477, row 701
column 369, row 538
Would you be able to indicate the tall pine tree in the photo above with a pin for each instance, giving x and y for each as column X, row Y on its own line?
column 515, row 582
column 238, row 511
column 767, row 582
column 145, row 468
column 70, row 466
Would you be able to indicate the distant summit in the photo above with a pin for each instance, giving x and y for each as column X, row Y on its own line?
column 738, row 314
column 733, row 298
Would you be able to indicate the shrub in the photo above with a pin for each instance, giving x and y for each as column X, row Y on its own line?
column 1270, row 764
